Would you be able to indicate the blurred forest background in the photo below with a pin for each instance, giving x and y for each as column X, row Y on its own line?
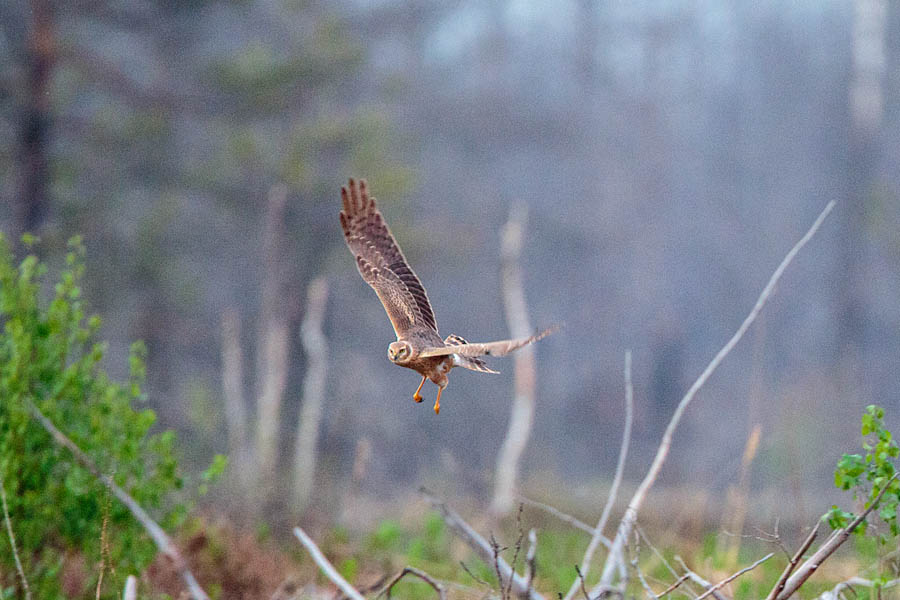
column 669, row 153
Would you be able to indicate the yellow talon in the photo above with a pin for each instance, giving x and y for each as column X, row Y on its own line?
column 417, row 397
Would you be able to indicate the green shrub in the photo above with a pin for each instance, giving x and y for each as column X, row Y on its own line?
column 49, row 355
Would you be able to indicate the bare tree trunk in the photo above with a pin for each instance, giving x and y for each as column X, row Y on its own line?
column 31, row 205
column 272, row 345
column 233, row 392
column 316, row 348
column 522, row 416
column 866, row 103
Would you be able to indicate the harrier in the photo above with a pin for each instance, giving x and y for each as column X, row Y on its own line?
column 383, row 266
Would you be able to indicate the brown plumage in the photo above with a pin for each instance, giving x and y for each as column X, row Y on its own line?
column 383, row 266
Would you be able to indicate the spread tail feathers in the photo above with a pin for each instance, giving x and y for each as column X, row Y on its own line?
column 467, row 362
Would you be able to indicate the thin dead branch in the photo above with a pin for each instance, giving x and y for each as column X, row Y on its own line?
column 734, row 576
column 441, row 592
column 315, row 346
column 834, row 542
column 674, row 586
column 159, row 537
column 521, row 417
column 482, row 548
column 326, row 567
column 478, row 579
column 792, row 563
column 574, row 522
column 12, row 543
column 617, row 479
column 662, row 452
column 583, row 587
column 518, row 547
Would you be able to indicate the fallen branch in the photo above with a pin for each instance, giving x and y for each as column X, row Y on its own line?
column 617, row 480
column 662, row 452
column 12, row 543
column 326, row 567
column 482, row 548
column 734, row 576
column 792, row 563
column 159, row 537
column 840, row 536
column 442, row 594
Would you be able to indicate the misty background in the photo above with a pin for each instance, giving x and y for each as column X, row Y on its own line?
column 669, row 154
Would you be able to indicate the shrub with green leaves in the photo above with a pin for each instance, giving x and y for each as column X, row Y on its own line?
column 868, row 475
column 50, row 356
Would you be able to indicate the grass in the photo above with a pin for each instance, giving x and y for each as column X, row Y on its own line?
column 428, row 545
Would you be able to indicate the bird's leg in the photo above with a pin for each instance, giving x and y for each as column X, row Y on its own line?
column 416, row 396
column 437, row 402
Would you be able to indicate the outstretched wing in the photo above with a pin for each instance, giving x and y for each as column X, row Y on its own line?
column 381, row 263
column 487, row 348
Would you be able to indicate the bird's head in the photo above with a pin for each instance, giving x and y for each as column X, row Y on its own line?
column 400, row 352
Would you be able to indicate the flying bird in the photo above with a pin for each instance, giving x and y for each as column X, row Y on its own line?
column 383, row 266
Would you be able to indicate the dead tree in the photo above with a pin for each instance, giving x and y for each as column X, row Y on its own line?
column 316, row 348
column 235, row 404
column 273, row 340
column 521, row 417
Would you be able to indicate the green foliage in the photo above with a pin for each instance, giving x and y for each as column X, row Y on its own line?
column 49, row 356
column 868, row 475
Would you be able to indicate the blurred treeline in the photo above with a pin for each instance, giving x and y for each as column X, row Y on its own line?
column 670, row 154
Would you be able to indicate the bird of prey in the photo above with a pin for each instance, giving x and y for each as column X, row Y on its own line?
column 383, row 266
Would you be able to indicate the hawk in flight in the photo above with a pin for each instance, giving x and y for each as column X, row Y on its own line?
column 383, row 266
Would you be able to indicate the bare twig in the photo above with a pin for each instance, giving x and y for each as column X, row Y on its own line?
column 12, row 542
column 518, row 546
column 674, row 586
column 662, row 452
column 481, row 547
column 130, row 592
column 495, row 552
column 326, row 567
column 473, row 575
column 792, row 563
column 574, row 522
column 734, row 576
column 617, row 479
column 315, row 346
column 521, row 417
column 840, row 536
column 159, row 537
column 442, row 594
column 581, row 580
